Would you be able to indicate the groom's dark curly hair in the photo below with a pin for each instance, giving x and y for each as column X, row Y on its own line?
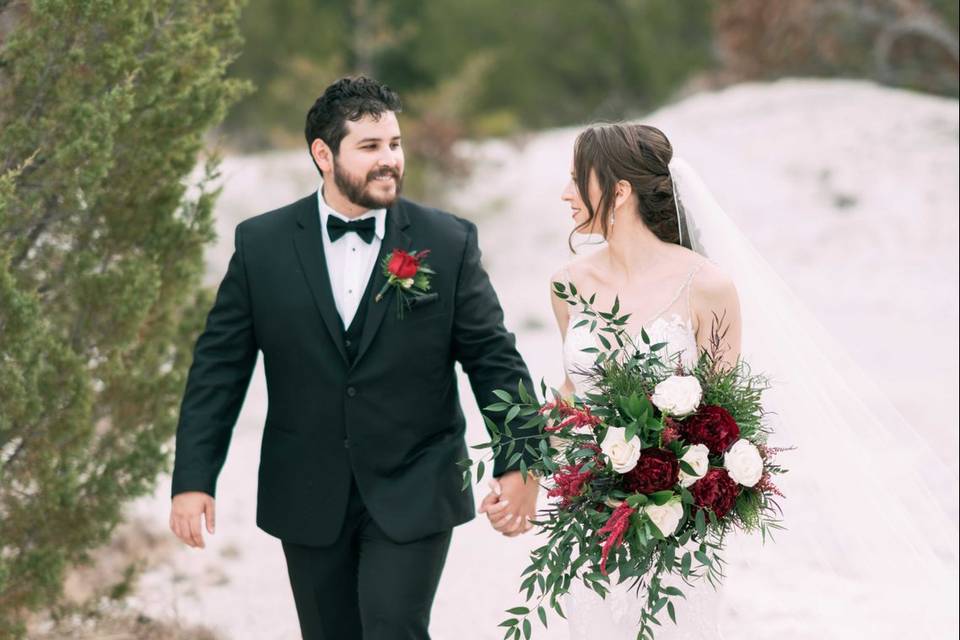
column 349, row 98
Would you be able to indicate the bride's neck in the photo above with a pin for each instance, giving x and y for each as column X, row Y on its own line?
column 632, row 248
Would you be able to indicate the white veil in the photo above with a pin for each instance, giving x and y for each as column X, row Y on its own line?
column 870, row 548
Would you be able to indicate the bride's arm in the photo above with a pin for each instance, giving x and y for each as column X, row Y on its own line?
column 561, row 310
column 713, row 295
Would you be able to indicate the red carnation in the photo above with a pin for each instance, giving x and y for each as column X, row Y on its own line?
column 715, row 491
column 404, row 265
column 713, row 426
column 657, row 470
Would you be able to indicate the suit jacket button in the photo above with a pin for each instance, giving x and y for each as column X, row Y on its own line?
column 351, row 391
column 346, row 443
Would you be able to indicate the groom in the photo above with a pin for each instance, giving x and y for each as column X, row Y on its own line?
column 358, row 475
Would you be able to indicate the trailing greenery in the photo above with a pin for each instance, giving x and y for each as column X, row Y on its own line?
column 103, row 109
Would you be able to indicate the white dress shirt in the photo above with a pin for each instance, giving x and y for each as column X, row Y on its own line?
column 350, row 260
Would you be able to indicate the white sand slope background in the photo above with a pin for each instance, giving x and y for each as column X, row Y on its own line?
column 850, row 191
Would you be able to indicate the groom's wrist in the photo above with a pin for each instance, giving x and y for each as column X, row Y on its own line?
column 185, row 481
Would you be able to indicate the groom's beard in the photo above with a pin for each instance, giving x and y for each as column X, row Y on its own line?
column 357, row 189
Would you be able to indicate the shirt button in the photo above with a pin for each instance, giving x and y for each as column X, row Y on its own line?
column 351, row 391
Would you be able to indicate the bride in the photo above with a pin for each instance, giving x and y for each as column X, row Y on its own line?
column 871, row 543
column 621, row 189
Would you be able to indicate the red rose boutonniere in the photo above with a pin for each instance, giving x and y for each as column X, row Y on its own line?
column 408, row 274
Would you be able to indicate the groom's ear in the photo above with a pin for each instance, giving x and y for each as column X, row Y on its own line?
column 322, row 155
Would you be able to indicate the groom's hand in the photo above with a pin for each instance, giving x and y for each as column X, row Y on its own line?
column 185, row 515
column 511, row 504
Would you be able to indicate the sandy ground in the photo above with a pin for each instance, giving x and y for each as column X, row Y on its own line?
column 850, row 190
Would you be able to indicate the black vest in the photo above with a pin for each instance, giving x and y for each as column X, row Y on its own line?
column 351, row 334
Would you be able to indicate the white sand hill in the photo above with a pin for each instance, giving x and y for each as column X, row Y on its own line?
column 849, row 189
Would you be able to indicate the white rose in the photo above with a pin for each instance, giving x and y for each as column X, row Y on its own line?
column 406, row 283
column 677, row 395
column 697, row 457
column 623, row 454
column 743, row 463
column 667, row 517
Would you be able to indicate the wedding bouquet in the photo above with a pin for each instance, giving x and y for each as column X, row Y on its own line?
column 647, row 473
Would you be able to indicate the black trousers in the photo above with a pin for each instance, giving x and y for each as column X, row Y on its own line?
column 365, row 586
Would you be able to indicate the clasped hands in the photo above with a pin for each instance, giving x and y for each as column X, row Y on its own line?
column 511, row 503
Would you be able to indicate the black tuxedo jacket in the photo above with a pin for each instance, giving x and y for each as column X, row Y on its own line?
column 392, row 419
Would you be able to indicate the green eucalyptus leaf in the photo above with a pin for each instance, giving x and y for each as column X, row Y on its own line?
column 701, row 523
column 661, row 498
column 637, row 500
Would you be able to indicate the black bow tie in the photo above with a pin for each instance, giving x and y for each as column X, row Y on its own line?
column 364, row 228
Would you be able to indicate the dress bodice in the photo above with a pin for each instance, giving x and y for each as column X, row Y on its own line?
column 672, row 325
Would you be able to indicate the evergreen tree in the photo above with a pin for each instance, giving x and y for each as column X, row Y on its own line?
column 103, row 108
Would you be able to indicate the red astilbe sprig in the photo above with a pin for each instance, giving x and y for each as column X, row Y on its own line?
column 671, row 431
column 616, row 528
column 765, row 485
column 768, row 453
column 571, row 416
column 569, row 482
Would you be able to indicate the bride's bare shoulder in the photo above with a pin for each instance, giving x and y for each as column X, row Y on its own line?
column 575, row 272
column 711, row 286
column 579, row 270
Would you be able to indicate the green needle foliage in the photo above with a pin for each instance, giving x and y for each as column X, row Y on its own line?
column 103, row 108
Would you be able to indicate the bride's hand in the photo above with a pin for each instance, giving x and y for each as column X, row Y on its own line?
column 511, row 503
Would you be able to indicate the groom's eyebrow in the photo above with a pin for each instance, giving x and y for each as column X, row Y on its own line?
column 366, row 140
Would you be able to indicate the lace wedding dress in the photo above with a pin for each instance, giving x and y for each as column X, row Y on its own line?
column 617, row 616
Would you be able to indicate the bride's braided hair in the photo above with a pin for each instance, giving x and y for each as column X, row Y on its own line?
column 637, row 153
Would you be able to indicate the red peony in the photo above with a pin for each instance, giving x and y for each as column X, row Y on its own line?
column 403, row 265
column 713, row 426
column 657, row 470
column 715, row 491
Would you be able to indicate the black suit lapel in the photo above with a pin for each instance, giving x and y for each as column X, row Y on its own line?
column 308, row 240
column 394, row 238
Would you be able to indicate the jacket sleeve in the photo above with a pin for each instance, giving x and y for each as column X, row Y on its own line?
column 484, row 347
column 223, row 362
